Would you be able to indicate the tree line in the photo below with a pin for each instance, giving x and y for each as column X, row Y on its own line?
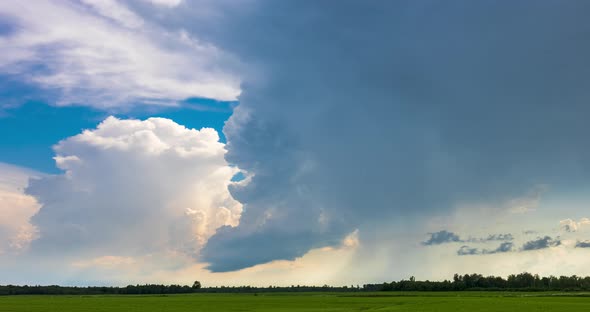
column 518, row 282
column 467, row 282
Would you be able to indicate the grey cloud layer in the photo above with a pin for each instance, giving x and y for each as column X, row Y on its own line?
column 356, row 113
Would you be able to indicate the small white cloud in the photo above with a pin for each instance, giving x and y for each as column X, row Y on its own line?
column 166, row 3
column 569, row 225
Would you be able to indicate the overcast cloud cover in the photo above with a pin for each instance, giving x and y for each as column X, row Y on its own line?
column 388, row 128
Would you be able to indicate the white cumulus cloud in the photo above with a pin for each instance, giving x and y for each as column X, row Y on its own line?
column 135, row 187
column 16, row 232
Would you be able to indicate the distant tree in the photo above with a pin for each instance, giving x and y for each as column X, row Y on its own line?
column 197, row 285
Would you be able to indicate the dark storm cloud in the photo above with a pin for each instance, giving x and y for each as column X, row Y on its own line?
column 541, row 243
column 583, row 244
column 357, row 113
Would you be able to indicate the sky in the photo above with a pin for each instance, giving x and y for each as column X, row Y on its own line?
column 289, row 142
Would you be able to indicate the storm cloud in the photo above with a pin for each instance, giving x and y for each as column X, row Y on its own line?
column 356, row 113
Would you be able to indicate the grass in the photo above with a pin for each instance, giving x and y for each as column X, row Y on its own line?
column 410, row 301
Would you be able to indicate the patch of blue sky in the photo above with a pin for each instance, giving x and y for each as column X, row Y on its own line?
column 238, row 177
column 29, row 127
column 194, row 113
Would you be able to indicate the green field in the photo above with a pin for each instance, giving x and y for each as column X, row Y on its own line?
column 453, row 301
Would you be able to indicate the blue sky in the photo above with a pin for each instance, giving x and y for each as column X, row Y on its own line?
column 25, row 144
column 254, row 141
